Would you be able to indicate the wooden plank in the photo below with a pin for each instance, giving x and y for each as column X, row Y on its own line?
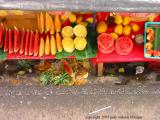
column 100, row 69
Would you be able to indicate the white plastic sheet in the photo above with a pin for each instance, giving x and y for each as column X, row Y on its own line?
column 84, row 5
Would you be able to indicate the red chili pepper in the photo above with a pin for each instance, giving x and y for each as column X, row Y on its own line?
column 31, row 43
column 22, row 45
column 6, row 41
column 36, row 43
column 67, row 68
column 16, row 39
column 27, row 42
column 10, row 42
column 1, row 35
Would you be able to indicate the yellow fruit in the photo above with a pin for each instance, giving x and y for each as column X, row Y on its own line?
column 80, row 43
column 41, row 19
column 38, row 22
column 150, row 18
column 80, row 31
column 79, row 19
column 126, row 30
column 135, row 27
column 41, row 47
column 64, row 17
column 90, row 20
column 114, row 35
column 47, row 22
column 47, row 46
column 3, row 12
column 126, row 20
column 84, row 24
column 118, row 19
column 18, row 12
column 72, row 18
column 53, row 45
column 102, row 27
column 118, row 29
column 67, row 31
column 51, row 26
column 57, row 23
column 68, row 44
column 59, row 42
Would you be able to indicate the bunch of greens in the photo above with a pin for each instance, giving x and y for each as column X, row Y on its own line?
column 48, row 77
column 61, row 79
column 45, row 77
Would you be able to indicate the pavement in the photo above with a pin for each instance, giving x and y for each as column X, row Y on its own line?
column 88, row 102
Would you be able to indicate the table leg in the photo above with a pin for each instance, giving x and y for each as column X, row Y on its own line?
column 100, row 69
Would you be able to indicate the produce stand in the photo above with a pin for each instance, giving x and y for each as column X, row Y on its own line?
column 136, row 55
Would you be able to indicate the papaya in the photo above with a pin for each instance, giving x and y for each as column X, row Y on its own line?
column 47, row 46
column 59, row 42
column 47, row 22
column 53, row 45
column 38, row 22
column 41, row 47
column 41, row 17
column 51, row 26
column 57, row 23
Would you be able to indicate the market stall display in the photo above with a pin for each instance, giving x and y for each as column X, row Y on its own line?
column 151, row 40
column 53, row 36
column 127, row 28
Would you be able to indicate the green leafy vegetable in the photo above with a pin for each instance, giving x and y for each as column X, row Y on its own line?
column 2, row 55
column 24, row 64
column 61, row 79
column 45, row 77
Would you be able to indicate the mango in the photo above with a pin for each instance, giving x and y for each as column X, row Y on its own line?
column 118, row 19
column 72, row 18
column 101, row 27
column 126, row 20
column 64, row 18
column 126, row 30
column 135, row 27
column 118, row 29
column 90, row 20
column 114, row 35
